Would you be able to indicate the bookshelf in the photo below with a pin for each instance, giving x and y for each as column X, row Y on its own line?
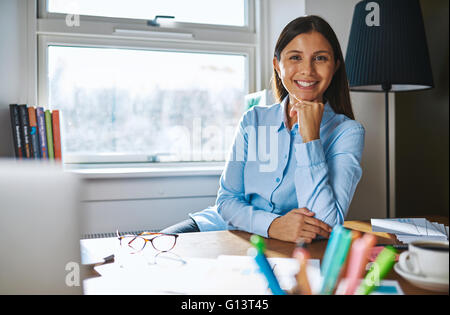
column 36, row 132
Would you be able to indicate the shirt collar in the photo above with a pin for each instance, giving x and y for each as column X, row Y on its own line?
column 328, row 113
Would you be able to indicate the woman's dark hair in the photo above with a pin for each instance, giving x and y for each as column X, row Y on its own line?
column 337, row 94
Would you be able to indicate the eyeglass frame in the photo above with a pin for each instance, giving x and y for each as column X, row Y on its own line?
column 141, row 235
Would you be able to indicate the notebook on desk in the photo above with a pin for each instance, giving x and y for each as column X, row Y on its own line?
column 40, row 249
column 409, row 230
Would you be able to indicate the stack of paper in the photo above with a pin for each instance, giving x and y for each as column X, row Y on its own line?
column 410, row 230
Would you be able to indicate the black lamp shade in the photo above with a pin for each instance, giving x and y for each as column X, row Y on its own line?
column 392, row 56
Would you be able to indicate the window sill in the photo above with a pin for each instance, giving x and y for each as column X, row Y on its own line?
column 145, row 170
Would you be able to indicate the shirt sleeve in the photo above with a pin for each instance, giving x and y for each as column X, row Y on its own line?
column 325, row 182
column 231, row 203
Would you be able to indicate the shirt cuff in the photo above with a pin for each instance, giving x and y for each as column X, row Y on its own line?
column 261, row 222
column 309, row 153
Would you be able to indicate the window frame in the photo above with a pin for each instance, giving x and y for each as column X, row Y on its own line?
column 249, row 12
column 51, row 30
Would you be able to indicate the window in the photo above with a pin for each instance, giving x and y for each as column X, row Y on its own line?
column 176, row 106
column 168, row 93
column 229, row 12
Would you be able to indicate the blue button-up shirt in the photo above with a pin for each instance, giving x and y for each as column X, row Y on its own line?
column 270, row 171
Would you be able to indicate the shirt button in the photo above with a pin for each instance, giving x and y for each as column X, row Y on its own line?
column 285, row 156
column 278, row 179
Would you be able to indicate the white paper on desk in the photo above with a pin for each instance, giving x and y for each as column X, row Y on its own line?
column 197, row 276
column 140, row 278
column 94, row 250
column 415, row 226
column 234, row 275
column 284, row 269
column 441, row 227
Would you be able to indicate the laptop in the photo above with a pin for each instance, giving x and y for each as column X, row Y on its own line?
column 39, row 226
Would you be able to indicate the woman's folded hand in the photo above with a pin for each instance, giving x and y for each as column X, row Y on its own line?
column 298, row 225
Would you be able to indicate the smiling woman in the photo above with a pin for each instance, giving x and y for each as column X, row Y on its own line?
column 316, row 143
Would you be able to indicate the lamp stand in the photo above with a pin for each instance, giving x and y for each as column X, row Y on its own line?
column 386, row 88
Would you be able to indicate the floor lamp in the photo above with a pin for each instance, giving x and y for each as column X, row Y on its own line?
column 388, row 52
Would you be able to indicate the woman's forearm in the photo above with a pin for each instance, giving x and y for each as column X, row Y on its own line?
column 325, row 185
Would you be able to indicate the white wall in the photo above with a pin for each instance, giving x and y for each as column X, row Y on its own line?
column 13, row 65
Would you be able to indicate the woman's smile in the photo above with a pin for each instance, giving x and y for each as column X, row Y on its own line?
column 306, row 85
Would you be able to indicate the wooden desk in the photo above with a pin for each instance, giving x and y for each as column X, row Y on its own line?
column 213, row 244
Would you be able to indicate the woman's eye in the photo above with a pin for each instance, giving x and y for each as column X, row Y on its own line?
column 295, row 58
column 321, row 58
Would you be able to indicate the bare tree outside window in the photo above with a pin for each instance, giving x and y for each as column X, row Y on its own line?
column 179, row 106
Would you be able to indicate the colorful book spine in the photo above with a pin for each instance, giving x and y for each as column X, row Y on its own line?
column 42, row 132
column 56, row 134
column 16, row 130
column 25, row 125
column 48, row 129
column 34, row 132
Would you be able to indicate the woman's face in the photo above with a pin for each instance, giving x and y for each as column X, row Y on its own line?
column 306, row 66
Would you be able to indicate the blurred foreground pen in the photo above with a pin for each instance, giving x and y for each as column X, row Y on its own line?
column 263, row 264
column 357, row 261
column 379, row 269
column 302, row 255
column 334, row 258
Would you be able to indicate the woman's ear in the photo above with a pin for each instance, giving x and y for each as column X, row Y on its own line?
column 276, row 66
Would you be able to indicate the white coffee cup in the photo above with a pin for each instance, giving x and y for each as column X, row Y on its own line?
column 426, row 259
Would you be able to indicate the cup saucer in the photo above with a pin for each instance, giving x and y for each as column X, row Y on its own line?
column 427, row 283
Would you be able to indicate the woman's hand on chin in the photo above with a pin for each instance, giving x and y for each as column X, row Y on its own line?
column 309, row 116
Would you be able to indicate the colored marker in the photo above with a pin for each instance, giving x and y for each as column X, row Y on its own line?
column 331, row 248
column 336, row 259
column 264, row 266
column 332, row 245
column 355, row 235
column 357, row 261
column 302, row 256
column 382, row 265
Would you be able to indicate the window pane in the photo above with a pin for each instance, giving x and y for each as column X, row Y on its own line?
column 182, row 106
column 225, row 12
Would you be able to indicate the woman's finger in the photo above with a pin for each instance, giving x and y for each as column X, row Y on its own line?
column 301, row 106
column 304, row 211
column 317, row 230
column 307, row 234
column 318, row 223
column 293, row 111
column 308, row 102
column 304, row 240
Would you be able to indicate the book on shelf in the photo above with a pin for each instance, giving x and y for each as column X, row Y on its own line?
column 24, row 127
column 36, row 132
column 48, row 129
column 16, row 131
column 41, row 131
column 56, row 134
column 35, row 148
